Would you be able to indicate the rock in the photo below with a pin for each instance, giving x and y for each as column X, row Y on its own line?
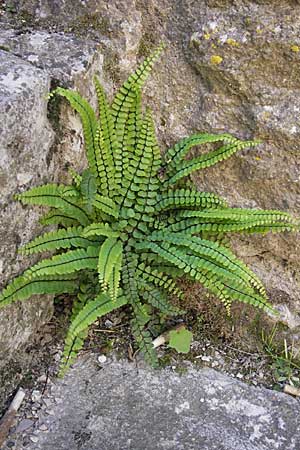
column 36, row 395
column 229, row 66
column 24, row 425
column 102, row 359
column 198, row 409
column 30, row 64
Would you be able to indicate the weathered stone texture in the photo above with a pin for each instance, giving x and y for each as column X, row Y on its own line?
column 30, row 155
column 229, row 66
column 129, row 408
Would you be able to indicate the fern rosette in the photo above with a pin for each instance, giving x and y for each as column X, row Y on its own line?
column 127, row 228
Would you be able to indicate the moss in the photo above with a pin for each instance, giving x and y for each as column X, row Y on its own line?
column 111, row 66
column 87, row 22
column 147, row 43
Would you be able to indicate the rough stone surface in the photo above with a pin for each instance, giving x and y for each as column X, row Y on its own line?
column 229, row 66
column 125, row 407
column 30, row 155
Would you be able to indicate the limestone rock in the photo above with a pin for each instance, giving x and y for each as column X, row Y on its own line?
column 124, row 407
column 30, row 156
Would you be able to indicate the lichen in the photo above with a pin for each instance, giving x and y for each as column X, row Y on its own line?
column 216, row 59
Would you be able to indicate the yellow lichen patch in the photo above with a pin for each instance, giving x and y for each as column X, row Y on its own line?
column 206, row 36
column 216, row 59
column 295, row 48
column 232, row 42
column 258, row 158
column 213, row 45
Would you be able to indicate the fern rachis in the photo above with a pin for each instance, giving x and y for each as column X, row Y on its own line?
column 126, row 231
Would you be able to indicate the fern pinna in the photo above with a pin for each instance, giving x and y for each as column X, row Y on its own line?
column 127, row 226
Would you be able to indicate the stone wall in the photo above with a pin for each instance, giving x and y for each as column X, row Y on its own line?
column 229, row 66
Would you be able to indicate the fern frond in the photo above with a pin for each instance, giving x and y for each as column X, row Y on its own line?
column 76, row 177
column 89, row 124
column 125, row 96
column 69, row 262
column 158, row 299
column 186, row 198
column 55, row 196
column 126, row 151
column 214, row 252
column 58, row 217
column 195, row 225
column 94, row 309
column 54, row 240
column 174, row 155
column 106, row 205
column 21, row 288
column 144, row 341
column 207, row 159
column 100, row 229
column 115, row 278
column 109, row 256
column 142, row 180
column 88, row 188
column 159, row 279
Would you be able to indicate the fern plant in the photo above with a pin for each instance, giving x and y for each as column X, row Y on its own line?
column 128, row 226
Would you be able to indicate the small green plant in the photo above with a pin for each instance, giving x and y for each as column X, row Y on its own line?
column 285, row 360
column 129, row 226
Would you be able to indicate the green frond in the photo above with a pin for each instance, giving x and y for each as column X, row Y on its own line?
column 58, row 217
column 69, row 262
column 109, row 257
column 115, row 278
column 159, row 279
column 175, row 155
column 185, row 168
column 214, row 252
column 143, row 339
column 155, row 297
column 100, row 229
column 54, row 240
column 187, row 198
column 106, row 120
column 89, row 123
column 88, row 188
column 196, row 225
column 126, row 94
column 106, row 205
column 141, row 182
column 21, row 288
column 104, row 165
column 94, row 309
column 126, row 146
column 75, row 177
column 56, row 196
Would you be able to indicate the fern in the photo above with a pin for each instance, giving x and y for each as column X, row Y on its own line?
column 128, row 227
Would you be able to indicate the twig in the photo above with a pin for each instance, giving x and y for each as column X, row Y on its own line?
column 8, row 419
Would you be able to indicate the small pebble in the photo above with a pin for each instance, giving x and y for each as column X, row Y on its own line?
column 206, row 358
column 43, row 427
column 48, row 402
column 36, row 396
column 42, row 379
column 239, row 375
column 34, row 438
column 10, row 444
column 24, row 425
column 50, row 412
column 102, row 359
